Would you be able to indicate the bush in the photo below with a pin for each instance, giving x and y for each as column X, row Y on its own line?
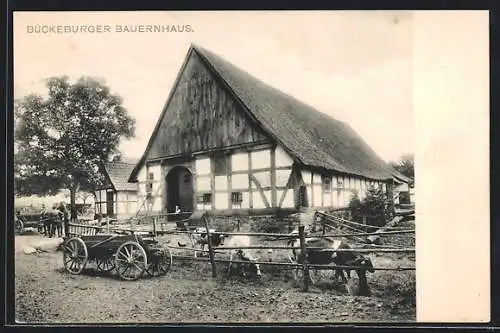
column 355, row 208
column 268, row 225
column 374, row 207
column 224, row 224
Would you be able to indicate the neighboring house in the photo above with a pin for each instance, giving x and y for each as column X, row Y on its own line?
column 117, row 198
column 229, row 143
column 403, row 193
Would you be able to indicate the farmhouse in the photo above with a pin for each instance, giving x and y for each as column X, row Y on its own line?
column 229, row 143
column 117, row 198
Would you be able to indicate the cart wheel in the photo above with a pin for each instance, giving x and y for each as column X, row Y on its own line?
column 131, row 261
column 75, row 255
column 160, row 263
column 19, row 226
column 105, row 265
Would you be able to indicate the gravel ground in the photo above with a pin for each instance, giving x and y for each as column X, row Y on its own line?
column 45, row 293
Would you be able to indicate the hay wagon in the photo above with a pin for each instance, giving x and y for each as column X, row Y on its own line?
column 129, row 255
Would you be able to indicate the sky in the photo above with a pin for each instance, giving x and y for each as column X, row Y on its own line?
column 355, row 66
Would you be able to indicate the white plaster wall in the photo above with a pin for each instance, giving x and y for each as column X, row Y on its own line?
column 239, row 182
column 289, row 201
column 282, row 158
column 221, row 201
column 257, row 201
column 221, row 183
column 142, row 189
column 202, row 166
column 317, row 190
column 142, row 174
column 261, row 159
column 239, row 162
column 264, row 178
column 327, row 199
column 282, row 177
column 203, row 184
column 306, row 177
column 157, row 204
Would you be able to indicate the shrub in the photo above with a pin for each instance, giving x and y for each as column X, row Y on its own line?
column 268, row 225
column 374, row 207
column 355, row 208
column 224, row 224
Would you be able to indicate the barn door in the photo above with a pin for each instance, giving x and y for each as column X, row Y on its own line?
column 109, row 204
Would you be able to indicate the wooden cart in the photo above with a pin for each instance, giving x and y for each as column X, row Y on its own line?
column 129, row 255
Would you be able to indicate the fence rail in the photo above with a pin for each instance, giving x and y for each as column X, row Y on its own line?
column 289, row 264
column 212, row 250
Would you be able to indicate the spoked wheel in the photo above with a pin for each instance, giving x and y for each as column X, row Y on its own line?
column 160, row 263
column 105, row 265
column 75, row 255
column 131, row 261
column 19, row 226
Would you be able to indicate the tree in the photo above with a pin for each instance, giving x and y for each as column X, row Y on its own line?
column 61, row 139
column 373, row 208
column 405, row 165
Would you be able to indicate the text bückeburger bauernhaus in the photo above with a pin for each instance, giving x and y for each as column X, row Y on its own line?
column 106, row 28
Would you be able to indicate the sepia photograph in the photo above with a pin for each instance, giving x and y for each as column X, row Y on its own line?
column 207, row 167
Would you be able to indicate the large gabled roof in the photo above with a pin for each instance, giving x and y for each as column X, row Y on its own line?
column 311, row 137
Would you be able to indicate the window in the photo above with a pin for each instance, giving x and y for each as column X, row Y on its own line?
column 204, row 198
column 221, row 166
column 327, row 184
column 237, row 198
column 187, row 179
column 151, row 176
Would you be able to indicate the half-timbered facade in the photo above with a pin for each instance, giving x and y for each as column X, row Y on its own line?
column 228, row 142
column 117, row 198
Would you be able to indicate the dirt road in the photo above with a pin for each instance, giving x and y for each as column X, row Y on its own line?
column 45, row 293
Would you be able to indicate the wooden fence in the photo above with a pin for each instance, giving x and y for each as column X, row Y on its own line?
column 82, row 229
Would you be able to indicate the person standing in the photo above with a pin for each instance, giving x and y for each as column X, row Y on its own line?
column 45, row 220
column 64, row 210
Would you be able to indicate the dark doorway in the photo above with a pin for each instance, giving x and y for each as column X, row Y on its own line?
column 180, row 192
column 109, row 204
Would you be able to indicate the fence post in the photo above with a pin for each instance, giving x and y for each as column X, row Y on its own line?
column 154, row 226
column 238, row 224
column 305, row 267
column 210, row 249
column 107, row 225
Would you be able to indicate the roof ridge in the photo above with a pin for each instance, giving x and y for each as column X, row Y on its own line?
column 317, row 126
column 260, row 81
